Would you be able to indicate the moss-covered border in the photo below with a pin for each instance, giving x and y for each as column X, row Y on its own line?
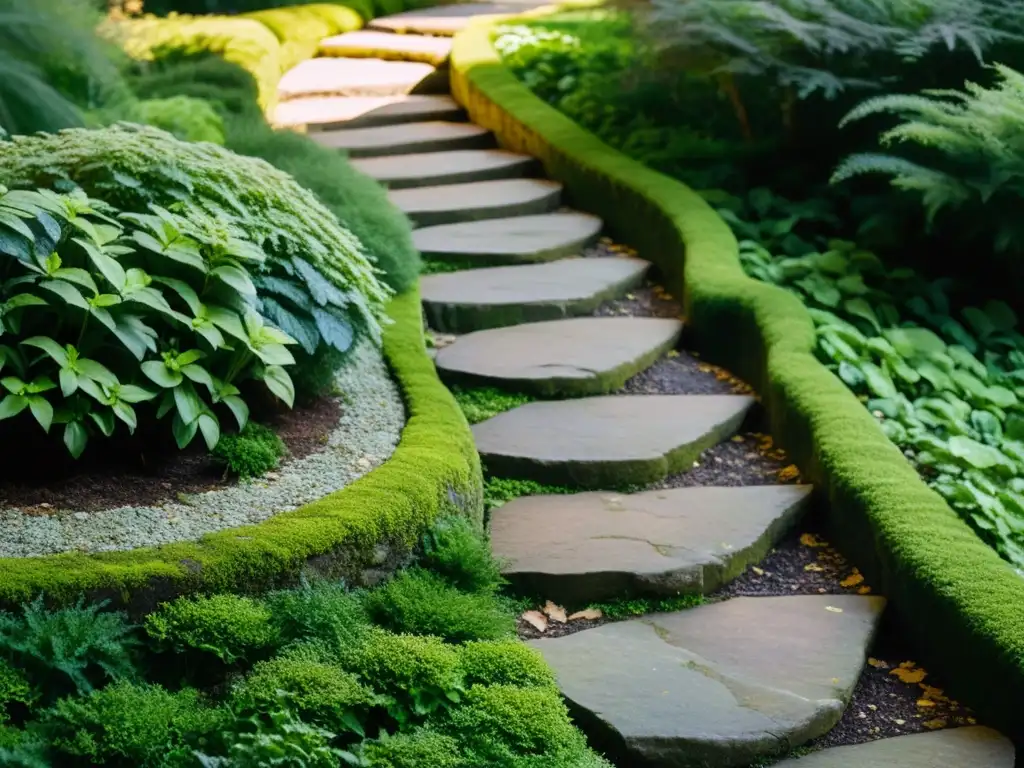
column 365, row 527
column 961, row 605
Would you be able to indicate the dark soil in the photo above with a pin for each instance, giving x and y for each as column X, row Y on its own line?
column 155, row 477
column 527, row 631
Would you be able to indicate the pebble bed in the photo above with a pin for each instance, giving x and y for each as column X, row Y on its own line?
column 373, row 416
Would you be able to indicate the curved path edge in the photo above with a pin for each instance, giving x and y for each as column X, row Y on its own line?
column 953, row 595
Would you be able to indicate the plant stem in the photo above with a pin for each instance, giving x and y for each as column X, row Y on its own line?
column 728, row 86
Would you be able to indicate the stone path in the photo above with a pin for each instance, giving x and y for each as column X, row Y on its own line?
column 723, row 684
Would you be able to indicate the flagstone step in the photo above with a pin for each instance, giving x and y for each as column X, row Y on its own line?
column 324, row 113
column 517, row 240
column 406, row 139
column 609, row 441
column 353, row 77
column 368, row 43
column 476, row 299
column 970, row 747
column 452, row 203
column 719, row 685
column 426, row 169
column 446, row 20
column 577, row 356
column 600, row 546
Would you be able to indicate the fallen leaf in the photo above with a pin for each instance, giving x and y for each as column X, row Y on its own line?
column 833, row 609
column 555, row 612
column 934, row 725
column 907, row 672
column 536, row 619
column 589, row 614
column 930, row 692
column 877, row 663
column 757, row 571
column 672, row 353
column 852, row 580
column 789, row 473
column 738, row 438
column 873, row 707
column 925, row 703
column 813, row 567
column 864, row 591
column 630, row 296
column 900, row 722
column 810, row 540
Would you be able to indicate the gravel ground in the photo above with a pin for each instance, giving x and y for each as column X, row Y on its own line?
column 371, row 422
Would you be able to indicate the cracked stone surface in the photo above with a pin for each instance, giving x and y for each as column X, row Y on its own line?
column 452, row 203
column 717, row 685
column 352, row 77
column 319, row 113
column 470, row 300
column 367, row 43
column 973, row 747
column 446, row 20
column 608, row 441
column 599, row 546
column 405, row 139
column 518, row 240
column 577, row 356
column 426, row 169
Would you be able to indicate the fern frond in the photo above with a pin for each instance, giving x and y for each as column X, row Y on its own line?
column 863, row 163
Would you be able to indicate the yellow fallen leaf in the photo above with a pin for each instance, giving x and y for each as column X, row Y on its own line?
column 907, row 672
column 536, row 619
column 934, row 725
column 864, row 591
column 925, row 703
column 555, row 612
column 630, row 296
column 877, row 663
column 738, row 438
column 971, row 721
column 852, row 580
column 757, row 571
column 833, row 609
column 588, row 613
column 813, row 567
column 810, row 540
column 789, row 473
column 672, row 353
column 900, row 722
column 930, row 692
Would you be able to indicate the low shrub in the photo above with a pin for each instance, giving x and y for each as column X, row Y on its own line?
column 68, row 650
column 229, row 88
column 230, row 627
column 252, row 452
column 323, row 611
column 421, row 602
column 16, row 694
column 504, row 662
column 185, row 117
column 418, row 748
column 456, row 550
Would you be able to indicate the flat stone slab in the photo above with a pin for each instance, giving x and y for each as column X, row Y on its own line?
column 578, row 356
column 452, row 203
column 608, row 441
column 368, row 43
column 475, row 299
column 518, row 240
column 352, row 77
column 332, row 112
column 446, row 19
column 600, row 546
column 973, row 747
column 460, row 166
column 406, row 139
column 718, row 685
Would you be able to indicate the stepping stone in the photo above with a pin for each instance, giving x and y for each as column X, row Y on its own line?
column 407, row 139
column 436, row 168
column 600, row 546
column 352, row 77
column 973, row 747
column 471, row 300
column 447, row 19
column 452, row 203
column 519, row 240
column 718, row 685
column 332, row 112
column 578, row 356
column 367, row 43
column 607, row 442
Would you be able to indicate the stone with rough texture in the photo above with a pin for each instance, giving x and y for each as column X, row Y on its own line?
column 446, row 20
column 599, row 546
column 474, row 299
column 578, row 356
column 435, row 168
column 406, row 139
column 319, row 113
column 718, row 685
column 973, row 747
column 609, row 441
column 430, row 206
column 367, row 43
column 518, row 240
column 352, row 77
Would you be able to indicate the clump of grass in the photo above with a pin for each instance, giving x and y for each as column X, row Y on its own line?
column 640, row 606
column 482, row 403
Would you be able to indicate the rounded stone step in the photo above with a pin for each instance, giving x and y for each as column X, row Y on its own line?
column 578, row 356
column 437, row 168
column 599, row 546
column 607, row 442
column 320, row 113
column 368, row 43
column 446, row 20
column 430, row 206
column 406, row 139
column 471, row 300
column 970, row 747
column 518, row 240
column 352, row 77
column 719, row 685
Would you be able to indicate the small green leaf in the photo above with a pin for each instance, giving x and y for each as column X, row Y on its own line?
column 50, row 347
column 878, row 381
column 160, row 374
column 210, row 428
column 183, row 433
column 915, row 342
column 75, row 438
column 280, row 383
column 104, row 418
column 860, row 308
column 42, row 411
column 974, row 453
column 238, row 409
column 12, row 405
column 235, row 277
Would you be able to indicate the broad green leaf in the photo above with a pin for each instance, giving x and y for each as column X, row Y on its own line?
column 75, row 438
column 210, row 428
column 69, row 293
column 160, row 374
column 41, row 410
column 915, row 342
column 183, row 433
column 338, row 333
column 303, row 330
column 953, row 330
column 962, row 357
column 1000, row 396
column 861, row 308
column 934, row 375
column 974, row 453
column 40, row 384
column 1000, row 315
column 236, row 278
column 190, row 356
column 819, row 289
column 188, row 403
column 130, row 393
column 280, row 383
column 50, row 347
column 878, row 381
column 979, row 321
column 126, row 413
column 851, row 375
column 12, row 405
column 238, row 409
column 988, row 426
column 832, row 262
column 228, row 321
column 104, row 418
column 97, row 372
column 852, row 285
column 68, row 382
column 274, row 354
column 184, row 290
column 198, row 374
column 970, row 383
column 108, row 266
column 78, row 277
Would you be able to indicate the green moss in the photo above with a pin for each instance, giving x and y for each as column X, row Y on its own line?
column 504, row 662
column 628, row 608
column 416, row 749
column 947, row 588
column 499, row 490
column 231, row 627
column 252, row 452
column 482, row 403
